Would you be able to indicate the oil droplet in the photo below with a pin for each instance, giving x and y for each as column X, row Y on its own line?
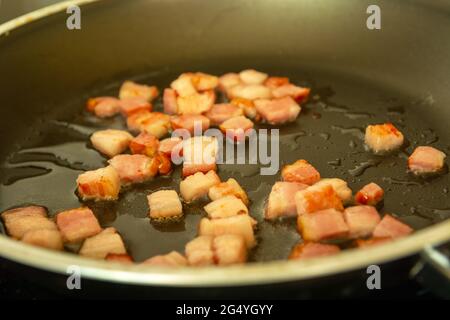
column 363, row 166
column 352, row 144
column 355, row 131
column 324, row 136
column 316, row 115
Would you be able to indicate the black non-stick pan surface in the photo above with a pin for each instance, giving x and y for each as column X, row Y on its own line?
column 329, row 133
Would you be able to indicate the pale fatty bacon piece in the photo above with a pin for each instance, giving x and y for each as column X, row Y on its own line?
column 135, row 168
column 229, row 80
column 322, row 225
column 197, row 103
column 361, row 220
column 199, row 155
column 171, row 145
column 225, row 207
column 77, row 224
column 131, row 89
column 144, row 143
column 203, row 81
column 299, row 94
column 313, row 250
column 251, row 76
column 99, row 246
column 132, row 105
column 199, row 251
column 275, row 82
column 164, row 204
column 104, row 107
column 19, row 221
column 426, row 160
column 389, row 227
column 183, row 86
column 230, row 187
column 154, row 123
column 278, row 111
column 111, row 142
column 172, row 259
column 249, row 92
column 197, row 185
column 370, row 194
column 316, row 198
column 222, row 112
column 101, row 184
column 195, row 123
column 120, row 258
column 229, row 249
column 237, row 128
column 365, row 243
column 300, row 171
column 281, row 201
column 170, row 101
column 339, row 186
column 248, row 108
column 382, row 138
column 44, row 238
column 238, row 225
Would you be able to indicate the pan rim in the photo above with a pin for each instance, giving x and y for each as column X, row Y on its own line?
column 249, row 274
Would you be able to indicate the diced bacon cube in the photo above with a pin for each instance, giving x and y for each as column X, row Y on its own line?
column 172, row 259
column 164, row 204
column 339, row 186
column 204, row 82
column 197, row 103
column 111, row 142
column 144, row 143
column 313, row 250
column 365, row 243
column 278, row 111
column 198, row 185
column 230, row 187
column 361, row 220
column 383, row 137
column 199, row 154
column 237, row 128
column 370, row 194
column 157, row 124
column 120, row 258
column 170, row 101
column 183, row 86
column 316, row 198
column 135, row 120
column 389, row 227
column 199, row 252
column 322, row 225
column 104, row 107
column 135, row 168
column 228, row 81
column 168, row 145
column 275, row 82
column 191, row 123
column 20, row 221
column 77, row 224
column 44, row 238
column 281, row 201
column 251, row 76
column 248, row 107
column 131, row 89
column 106, row 242
column 222, row 112
column 289, row 90
column 238, row 225
column 249, row 92
column 132, row 105
column 164, row 163
column 426, row 160
column 229, row 249
column 300, row 171
column 225, row 207
column 100, row 184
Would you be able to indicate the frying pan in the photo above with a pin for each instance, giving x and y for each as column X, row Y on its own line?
column 358, row 76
